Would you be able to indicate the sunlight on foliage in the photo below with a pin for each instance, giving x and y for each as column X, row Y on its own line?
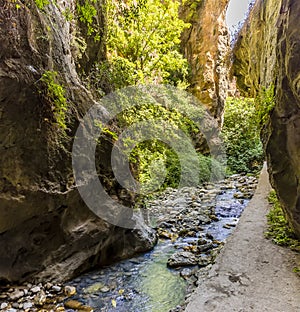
column 55, row 94
column 143, row 39
column 87, row 14
column 41, row 3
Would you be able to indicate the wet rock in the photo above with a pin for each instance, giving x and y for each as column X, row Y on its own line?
column 186, row 272
column 205, row 261
column 3, row 305
column 93, row 288
column 73, row 304
column 164, row 234
column 205, row 247
column 69, row 290
column 105, row 289
column 182, row 258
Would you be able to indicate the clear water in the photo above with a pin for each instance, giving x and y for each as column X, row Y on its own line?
column 145, row 283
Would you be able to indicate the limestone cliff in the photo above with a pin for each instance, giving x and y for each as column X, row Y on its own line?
column 266, row 52
column 206, row 46
column 46, row 231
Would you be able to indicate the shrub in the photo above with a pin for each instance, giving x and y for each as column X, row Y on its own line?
column 264, row 104
column 241, row 134
column 278, row 228
column 55, row 95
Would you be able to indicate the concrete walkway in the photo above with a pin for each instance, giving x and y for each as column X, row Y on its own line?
column 251, row 273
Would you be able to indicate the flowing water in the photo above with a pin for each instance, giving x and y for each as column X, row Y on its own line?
column 145, row 283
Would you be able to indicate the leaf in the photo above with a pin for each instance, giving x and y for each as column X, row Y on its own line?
column 114, row 303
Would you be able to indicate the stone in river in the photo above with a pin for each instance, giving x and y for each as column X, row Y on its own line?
column 182, row 258
column 69, row 290
column 93, row 288
column 186, row 272
column 205, row 261
column 73, row 304
column 104, row 289
column 205, row 247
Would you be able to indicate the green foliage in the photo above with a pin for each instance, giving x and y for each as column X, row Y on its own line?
column 264, row 103
column 68, row 14
column 241, row 134
column 87, row 14
column 296, row 270
column 157, row 164
column 278, row 228
column 143, row 37
column 55, row 94
column 41, row 3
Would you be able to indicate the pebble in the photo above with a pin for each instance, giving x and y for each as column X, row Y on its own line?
column 56, row 288
column 104, row 289
column 93, row 288
column 40, row 298
column 186, row 272
column 35, row 289
column 3, row 305
column 16, row 305
column 27, row 305
column 69, row 290
column 48, row 286
column 17, row 294
column 73, row 304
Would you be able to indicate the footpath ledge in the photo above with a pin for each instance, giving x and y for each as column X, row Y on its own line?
column 251, row 273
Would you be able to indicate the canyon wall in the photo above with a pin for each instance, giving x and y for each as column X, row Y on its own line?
column 207, row 48
column 266, row 53
column 46, row 230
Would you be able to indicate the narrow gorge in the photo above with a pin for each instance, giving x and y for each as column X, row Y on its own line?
column 59, row 59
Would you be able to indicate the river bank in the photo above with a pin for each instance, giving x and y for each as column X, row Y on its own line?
column 251, row 273
column 192, row 225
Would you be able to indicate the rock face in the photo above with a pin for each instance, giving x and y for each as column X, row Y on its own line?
column 207, row 48
column 46, row 231
column 267, row 52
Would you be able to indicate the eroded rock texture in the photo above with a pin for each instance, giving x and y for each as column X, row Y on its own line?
column 206, row 46
column 46, row 231
column 267, row 52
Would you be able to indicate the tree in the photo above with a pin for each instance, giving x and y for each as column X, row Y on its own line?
column 143, row 39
